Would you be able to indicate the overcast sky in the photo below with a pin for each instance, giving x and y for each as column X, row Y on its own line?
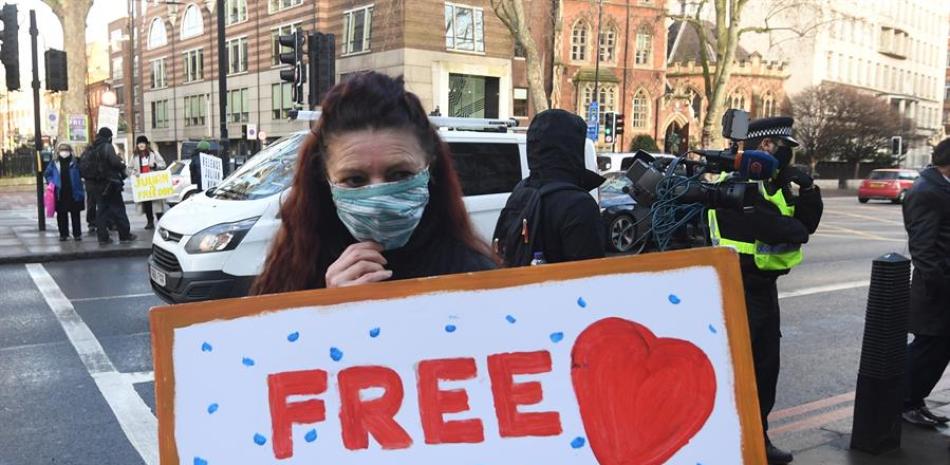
column 51, row 32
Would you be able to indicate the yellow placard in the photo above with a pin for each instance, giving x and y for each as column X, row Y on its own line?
column 156, row 185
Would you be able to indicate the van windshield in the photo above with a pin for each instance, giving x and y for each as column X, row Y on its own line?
column 265, row 174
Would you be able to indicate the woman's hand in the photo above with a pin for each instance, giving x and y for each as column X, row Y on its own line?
column 360, row 263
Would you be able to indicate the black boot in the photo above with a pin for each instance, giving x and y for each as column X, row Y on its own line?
column 775, row 455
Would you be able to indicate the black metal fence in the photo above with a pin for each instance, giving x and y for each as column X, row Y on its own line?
column 20, row 162
column 844, row 170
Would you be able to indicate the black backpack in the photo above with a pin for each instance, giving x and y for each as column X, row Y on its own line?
column 90, row 165
column 518, row 231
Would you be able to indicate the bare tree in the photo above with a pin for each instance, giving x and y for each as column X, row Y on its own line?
column 718, row 44
column 837, row 122
column 512, row 13
column 72, row 14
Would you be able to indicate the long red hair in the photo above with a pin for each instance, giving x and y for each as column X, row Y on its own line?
column 311, row 234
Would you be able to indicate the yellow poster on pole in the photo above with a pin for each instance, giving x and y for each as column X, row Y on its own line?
column 156, row 185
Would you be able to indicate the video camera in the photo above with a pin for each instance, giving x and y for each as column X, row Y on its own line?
column 675, row 189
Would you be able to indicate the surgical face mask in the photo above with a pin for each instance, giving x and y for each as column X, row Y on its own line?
column 64, row 153
column 385, row 213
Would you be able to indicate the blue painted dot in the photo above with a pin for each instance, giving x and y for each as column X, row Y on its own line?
column 510, row 319
column 311, row 436
column 712, row 329
column 557, row 337
column 206, row 347
column 248, row 362
column 450, row 328
column 292, row 337
column 674, row 299
column 581, row 302
column 212, row 408
column 200, row 461
column 259, row 439
column 374, row 332
column 336, row 354
column 578, row 442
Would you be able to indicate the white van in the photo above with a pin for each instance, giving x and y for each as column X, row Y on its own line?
column 214, row 244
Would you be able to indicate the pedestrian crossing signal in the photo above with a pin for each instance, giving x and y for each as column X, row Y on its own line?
column 610, row 127
column 296, row 74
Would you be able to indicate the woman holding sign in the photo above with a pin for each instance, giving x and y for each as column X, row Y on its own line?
column 145, row 160
column 375, row 197
column 63, row 172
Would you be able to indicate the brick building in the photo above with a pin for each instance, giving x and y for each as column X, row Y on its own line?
column 756, row 85
column 124, row 77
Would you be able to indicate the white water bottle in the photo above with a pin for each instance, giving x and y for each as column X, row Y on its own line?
column 538, row 259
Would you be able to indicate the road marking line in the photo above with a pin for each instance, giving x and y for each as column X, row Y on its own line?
column 822, row 289
column 111, row 297
column 139, row 377
column 866, row 217
column 133, row 415
column 811, row 406
column 814, row 421
column 863, row 234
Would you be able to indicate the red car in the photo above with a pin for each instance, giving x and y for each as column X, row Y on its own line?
column 889, row 184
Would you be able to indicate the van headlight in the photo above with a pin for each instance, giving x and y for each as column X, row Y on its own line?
column 220, row 237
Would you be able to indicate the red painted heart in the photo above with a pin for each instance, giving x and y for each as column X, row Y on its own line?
column 641, row 398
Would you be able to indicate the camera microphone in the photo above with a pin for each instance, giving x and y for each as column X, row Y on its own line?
column 756, row 165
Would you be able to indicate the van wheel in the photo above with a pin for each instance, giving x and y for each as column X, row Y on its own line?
column 622, row 233
column 862, row 200
column 900, row 198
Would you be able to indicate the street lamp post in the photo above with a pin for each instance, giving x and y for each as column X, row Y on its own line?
column 222, row 88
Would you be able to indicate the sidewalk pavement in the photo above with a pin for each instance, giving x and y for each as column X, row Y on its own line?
column 22, row 242
column 819, row 433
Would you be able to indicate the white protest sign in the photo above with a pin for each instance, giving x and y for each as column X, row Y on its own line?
column 109, row 118
column 212, row 170
column 637, row 360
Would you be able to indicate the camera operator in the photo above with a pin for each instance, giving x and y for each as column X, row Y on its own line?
column 769, row 241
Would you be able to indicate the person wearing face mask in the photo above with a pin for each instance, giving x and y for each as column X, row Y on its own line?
column 769, row 240
column 63, row 172
column 375, row 197
column 145, row 160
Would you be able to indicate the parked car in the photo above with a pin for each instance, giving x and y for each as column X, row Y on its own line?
column 887, row 184
column 610, row 162
column 214, row 243
column 181, row 181
column 620, row 214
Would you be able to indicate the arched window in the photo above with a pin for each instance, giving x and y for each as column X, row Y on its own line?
column 191, row 22
column 157, row 36
column 768, row 105
column 644, row 47
column 579, row 41
column 606, row 103
column 608, row 45
column 641, row 109
column 737, row 100
column 695, row 103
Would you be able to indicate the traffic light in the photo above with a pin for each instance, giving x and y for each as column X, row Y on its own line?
column 56, row 76
column 610, row 126
column 296, row 73
column 896, row 145
column 618, row 124
column 10, row 49
column 322, row 54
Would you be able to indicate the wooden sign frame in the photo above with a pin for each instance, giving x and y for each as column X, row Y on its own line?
column 165, row 320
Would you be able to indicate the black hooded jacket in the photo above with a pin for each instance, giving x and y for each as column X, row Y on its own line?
column 927, row 220
column 572, row 227
column 110, row 165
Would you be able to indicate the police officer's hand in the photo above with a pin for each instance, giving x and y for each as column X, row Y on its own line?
column 793, row 174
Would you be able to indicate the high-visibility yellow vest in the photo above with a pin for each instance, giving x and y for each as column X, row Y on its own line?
column 771, row 257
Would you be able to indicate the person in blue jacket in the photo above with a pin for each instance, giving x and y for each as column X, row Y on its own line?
column 63, row 172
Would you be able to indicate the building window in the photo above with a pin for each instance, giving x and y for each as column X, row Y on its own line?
column 159, row 80
column 281, row 100
column 160, row 114
column 606, row 103
column 117, row 69
column 276, row 48
column 473, row 96
column 579, row 42
column 641, row 110
column 608, row 46
column 238, row 106
column 768, row 105
column 464, row 28
column 157, row 36
column 737, row 100
column 520, row 107
column 235, row 11
column 194, row 65
column 237, row 55
column 191, row 23
column 644, row 46
column 274, row 6
column 357, row 29
column 695, row 103
column 195, row 110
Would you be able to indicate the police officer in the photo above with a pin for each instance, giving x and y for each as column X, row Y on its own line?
column 769, row 241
